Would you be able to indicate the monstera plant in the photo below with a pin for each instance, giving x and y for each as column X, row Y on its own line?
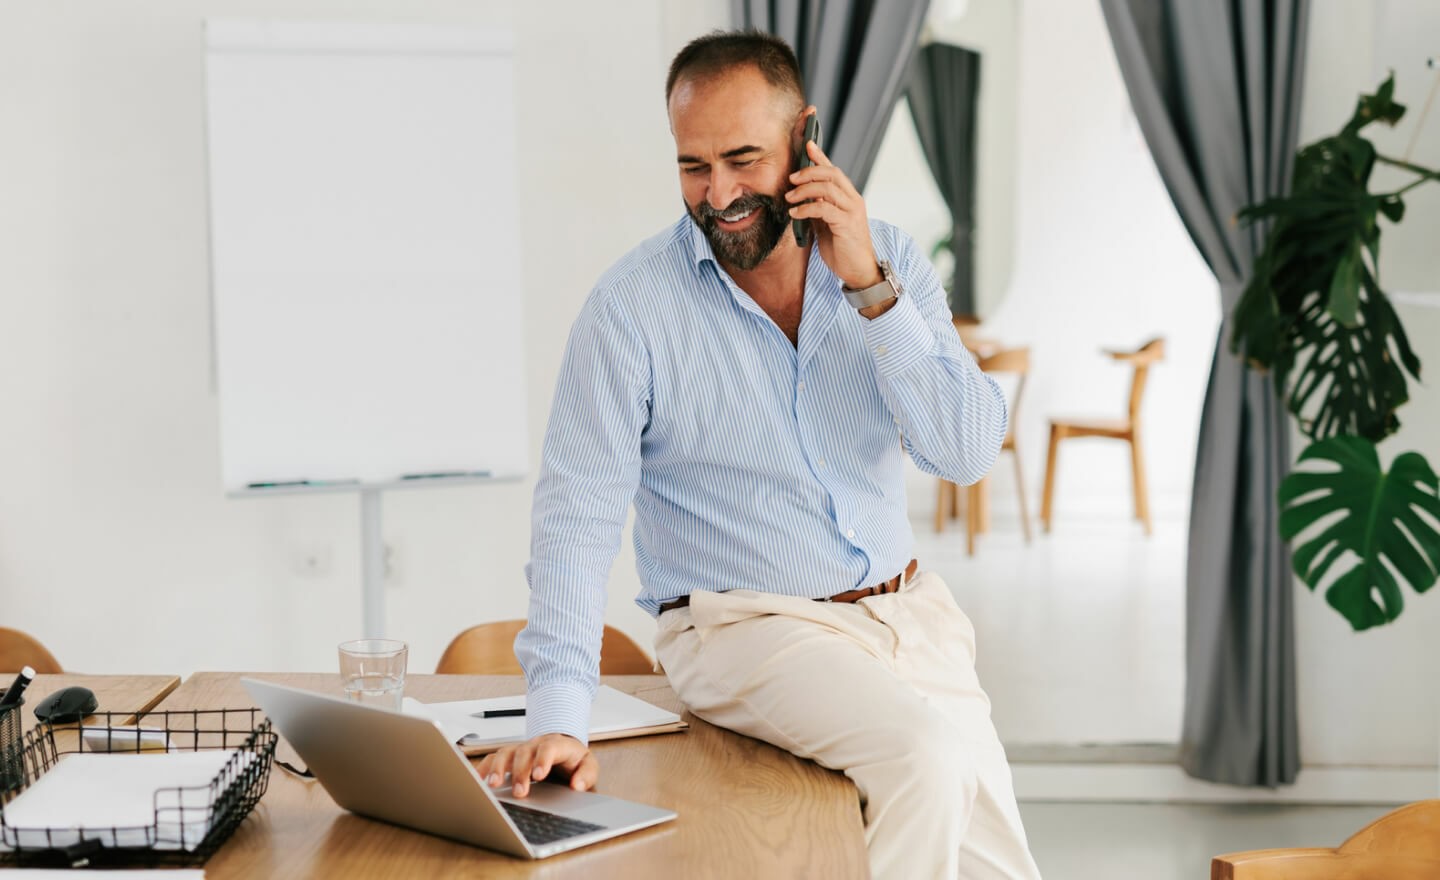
column 1314, row 315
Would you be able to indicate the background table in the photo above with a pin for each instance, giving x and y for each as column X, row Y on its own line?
column 128, row 694
column 746, row 808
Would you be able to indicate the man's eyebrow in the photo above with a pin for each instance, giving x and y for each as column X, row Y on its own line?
column 728, row 154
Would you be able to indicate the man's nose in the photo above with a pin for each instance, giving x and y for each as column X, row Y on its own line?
column 724, row 188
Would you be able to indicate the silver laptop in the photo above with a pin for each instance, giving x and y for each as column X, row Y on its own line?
column 404, row 770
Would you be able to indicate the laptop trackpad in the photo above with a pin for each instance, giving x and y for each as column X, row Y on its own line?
column 565, row 801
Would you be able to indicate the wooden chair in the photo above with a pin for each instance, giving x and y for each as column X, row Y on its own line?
column 1126, row 428
column 17, row 649
column 489, row 649
column 1401, row 845
column 1010, row 360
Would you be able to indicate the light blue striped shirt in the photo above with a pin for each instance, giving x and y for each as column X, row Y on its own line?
column 752, row 463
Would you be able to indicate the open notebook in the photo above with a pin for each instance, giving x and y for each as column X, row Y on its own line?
column 613, row 715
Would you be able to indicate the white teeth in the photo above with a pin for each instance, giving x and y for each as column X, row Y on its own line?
column 737, row 218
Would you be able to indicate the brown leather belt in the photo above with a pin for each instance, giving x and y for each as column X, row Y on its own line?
column 890, row 586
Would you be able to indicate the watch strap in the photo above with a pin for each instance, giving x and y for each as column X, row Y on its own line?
column 875, row 293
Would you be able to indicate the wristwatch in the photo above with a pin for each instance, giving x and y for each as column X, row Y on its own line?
column 875, row 294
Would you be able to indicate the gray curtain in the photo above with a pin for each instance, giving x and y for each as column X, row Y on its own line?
column 1216, row 88
column 941, row 91
column 853, row 56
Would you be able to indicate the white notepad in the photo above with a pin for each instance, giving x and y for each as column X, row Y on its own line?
column 613, row 715
column 125, row 800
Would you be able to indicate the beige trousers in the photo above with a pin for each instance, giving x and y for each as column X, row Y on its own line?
column 884, row 690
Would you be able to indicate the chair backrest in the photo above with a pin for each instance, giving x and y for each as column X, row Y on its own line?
column 1401, row 845
column 1140, row 359
column 1010, row 360
column 18, row 649
column 489, row 649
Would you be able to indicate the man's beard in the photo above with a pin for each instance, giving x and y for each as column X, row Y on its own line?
column 748, row 248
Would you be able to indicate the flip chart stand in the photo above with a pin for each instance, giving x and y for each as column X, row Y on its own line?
column 372, row 533
column 372, row 565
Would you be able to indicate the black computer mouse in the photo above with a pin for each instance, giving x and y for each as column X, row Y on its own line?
column 67, row 705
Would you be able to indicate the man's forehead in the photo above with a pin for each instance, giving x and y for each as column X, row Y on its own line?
column 741, row 96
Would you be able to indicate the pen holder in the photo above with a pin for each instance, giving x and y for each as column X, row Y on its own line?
column 12, row 751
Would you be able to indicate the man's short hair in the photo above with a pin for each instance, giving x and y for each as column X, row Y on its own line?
column 721, row 51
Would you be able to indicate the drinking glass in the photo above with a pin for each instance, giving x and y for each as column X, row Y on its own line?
column 373, row 671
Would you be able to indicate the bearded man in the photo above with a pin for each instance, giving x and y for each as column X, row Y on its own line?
column 755, row 401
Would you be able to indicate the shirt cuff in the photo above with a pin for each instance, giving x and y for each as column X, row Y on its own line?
column 563, row 707
column 899, row 338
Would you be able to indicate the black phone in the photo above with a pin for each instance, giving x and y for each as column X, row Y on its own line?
column 802, row 160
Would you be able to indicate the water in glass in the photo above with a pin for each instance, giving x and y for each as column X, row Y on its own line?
column 384, row 691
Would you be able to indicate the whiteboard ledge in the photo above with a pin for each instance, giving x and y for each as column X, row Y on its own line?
column 331, row 487
column 280, row 37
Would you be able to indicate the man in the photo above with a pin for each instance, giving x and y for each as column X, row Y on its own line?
column 755, row 400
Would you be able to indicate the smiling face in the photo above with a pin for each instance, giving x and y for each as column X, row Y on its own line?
column 733, row 136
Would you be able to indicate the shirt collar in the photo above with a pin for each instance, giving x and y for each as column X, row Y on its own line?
column 699, row 245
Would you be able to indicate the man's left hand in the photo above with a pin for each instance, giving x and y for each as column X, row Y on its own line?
column 838, row 221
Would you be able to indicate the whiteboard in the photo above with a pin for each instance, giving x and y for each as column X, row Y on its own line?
column 364, row 252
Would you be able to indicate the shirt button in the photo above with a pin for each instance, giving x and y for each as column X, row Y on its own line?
column 881, row 350
column 822, row 462
column 850, row 534
column 800, row 387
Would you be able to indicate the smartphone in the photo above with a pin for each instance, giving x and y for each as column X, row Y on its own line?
column 802, row 160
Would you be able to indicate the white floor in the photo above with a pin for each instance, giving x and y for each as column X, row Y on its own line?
column 1170, row 841
column 1080, row 633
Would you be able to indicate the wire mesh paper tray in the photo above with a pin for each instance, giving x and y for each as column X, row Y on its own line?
column 189, row 822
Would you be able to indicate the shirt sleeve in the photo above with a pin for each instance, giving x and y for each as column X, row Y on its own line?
column 952, row 415
column 590, row 470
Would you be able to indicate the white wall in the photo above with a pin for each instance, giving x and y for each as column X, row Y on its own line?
column 116, row 546
column 1370, row 698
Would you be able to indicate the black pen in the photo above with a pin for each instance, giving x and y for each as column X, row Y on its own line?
column 499, row 713
column 17, row 689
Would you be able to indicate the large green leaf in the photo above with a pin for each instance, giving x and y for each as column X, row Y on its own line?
column 1348, row 379
column 1381, row 525
column 1313, row 311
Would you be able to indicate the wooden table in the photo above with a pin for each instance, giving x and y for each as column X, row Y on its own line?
column 746, row 808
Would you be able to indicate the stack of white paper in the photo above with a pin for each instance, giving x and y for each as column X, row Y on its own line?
column 126, row 800
column 68, row 874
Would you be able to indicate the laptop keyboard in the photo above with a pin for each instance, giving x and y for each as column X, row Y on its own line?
column 539, row 827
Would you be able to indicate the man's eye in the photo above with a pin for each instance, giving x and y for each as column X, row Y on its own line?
column 694, row 169
column 744, row 163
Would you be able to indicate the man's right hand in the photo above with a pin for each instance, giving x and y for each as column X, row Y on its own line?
column 533, row 761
